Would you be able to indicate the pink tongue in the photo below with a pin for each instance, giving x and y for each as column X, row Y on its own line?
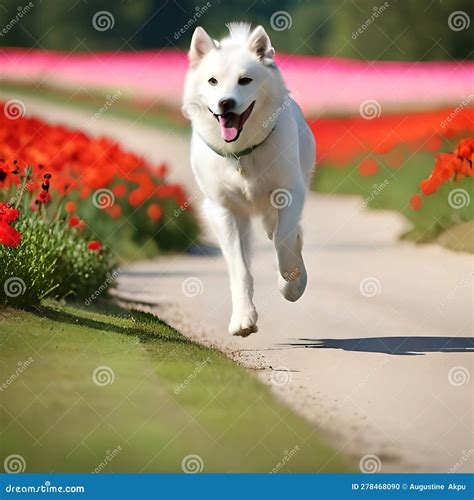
column 229, row 127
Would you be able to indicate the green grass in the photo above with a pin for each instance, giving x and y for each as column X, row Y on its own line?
column 392, row 188
column 59, row 420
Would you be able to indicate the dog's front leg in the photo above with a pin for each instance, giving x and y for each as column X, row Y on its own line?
column 288, row 241
column 233, row 231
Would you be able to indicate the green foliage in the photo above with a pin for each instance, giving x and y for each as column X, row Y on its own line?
column 392, row 189
column 134, row 235
column 51, row 260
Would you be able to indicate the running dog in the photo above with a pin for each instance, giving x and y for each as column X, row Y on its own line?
column 252, row 154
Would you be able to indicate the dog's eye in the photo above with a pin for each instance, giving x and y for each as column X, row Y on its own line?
column 245, row 80
column 212, row 81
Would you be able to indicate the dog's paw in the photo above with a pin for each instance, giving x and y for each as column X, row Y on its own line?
column 243, row 324
column 293, row 284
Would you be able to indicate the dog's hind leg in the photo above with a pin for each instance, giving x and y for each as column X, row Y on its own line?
column 232, row 231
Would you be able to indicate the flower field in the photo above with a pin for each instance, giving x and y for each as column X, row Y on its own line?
column 337, row 85
column 72, row 207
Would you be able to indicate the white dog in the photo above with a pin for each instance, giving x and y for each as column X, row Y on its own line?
column 252, row 154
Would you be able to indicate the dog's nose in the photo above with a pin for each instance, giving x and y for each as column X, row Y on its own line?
column 226, row 104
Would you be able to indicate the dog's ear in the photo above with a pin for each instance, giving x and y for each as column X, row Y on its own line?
column 259, row 43
column 201, row 44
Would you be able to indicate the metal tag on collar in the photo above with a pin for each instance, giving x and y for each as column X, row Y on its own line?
column 239, row 167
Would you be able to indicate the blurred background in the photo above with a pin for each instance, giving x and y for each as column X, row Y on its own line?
column 319, row 27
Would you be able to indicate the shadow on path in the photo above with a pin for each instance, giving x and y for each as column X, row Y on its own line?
column 408, row 346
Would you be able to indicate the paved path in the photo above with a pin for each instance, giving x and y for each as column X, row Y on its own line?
column 384, row 327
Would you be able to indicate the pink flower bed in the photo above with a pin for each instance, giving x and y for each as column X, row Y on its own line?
column 321, row 85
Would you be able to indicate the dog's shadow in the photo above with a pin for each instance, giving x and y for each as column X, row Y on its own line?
column 401, row 346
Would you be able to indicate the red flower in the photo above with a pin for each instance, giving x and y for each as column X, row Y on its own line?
column 115, row 211
column 9, row 236
column 137, row 197
column 44, row 197
column 119, row 190
column 368, row 167
column 154, row 212
column 416, row 202
column 94, row 245
column 162, row 170
column 8, row 213
column 74, row 221
column 70, row 206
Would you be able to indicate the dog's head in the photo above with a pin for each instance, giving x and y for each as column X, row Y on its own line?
column 232, row 85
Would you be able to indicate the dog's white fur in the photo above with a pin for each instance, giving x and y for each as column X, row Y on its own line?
column 277, row 171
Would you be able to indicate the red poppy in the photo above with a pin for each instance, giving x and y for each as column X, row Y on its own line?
column 137, row 197
column 155, row 212
column 368, row 167
column 416, row 202
column 115, row 211
column 70, row 206
column 9, row 236
column 74, row 221
column 94, row 245
column 8, row 213
column 119, row 190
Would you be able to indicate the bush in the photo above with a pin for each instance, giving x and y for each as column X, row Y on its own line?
column 43, row 255
column 125, row 199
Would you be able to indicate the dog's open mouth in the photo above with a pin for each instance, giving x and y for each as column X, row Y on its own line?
column 231, row 124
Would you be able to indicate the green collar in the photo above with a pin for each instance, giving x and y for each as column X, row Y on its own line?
column 239, row 154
